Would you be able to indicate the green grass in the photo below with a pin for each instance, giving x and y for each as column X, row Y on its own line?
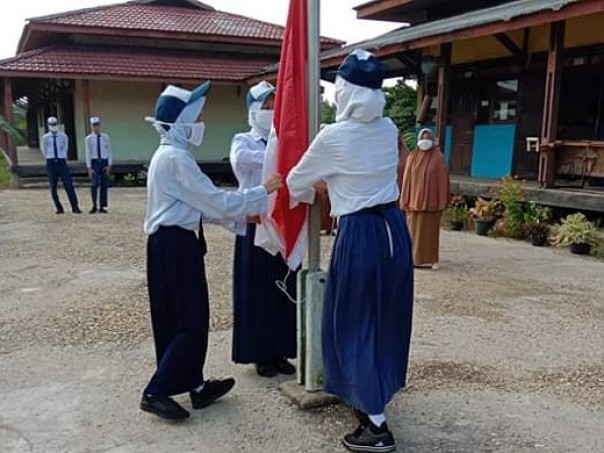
column 4, row 173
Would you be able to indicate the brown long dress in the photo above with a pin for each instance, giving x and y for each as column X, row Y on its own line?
column 425, row 194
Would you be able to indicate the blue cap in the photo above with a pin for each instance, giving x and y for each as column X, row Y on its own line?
column 173, row 101
column 362, row 68
column 259, row 93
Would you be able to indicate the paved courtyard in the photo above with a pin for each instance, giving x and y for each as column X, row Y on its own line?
column 507, row 352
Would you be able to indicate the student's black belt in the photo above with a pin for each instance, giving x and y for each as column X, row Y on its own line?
column 377, row 209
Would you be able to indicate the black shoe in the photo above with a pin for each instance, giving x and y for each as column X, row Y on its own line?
column 163, row 407
column 77, row 211
column 212, row 390
column 60, row 211
column 103, row 211
column 93, row 210
column 266, row 369
column 284, row 367
column 362, row 417
column 365, row 439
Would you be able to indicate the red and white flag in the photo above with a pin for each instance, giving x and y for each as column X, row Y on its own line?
column 284, row 230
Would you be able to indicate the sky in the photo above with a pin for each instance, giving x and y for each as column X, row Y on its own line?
column 338, row 19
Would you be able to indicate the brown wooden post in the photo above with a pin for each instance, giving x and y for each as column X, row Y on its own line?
column 549, row 127
column 10, row 117
column 86, row 87
column 444, row 68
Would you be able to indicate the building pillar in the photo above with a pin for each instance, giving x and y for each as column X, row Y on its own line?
column 549, row 126
column 86, row 88
column 444, row 69
column 10, row 118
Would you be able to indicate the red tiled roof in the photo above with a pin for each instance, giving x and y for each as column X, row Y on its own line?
column 130, row 64
column 146, row 16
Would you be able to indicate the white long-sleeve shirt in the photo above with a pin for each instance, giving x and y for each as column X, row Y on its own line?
column 47, row 145
column 357, row 160
column 92, row 149
column 180, row 194
column 247, row 158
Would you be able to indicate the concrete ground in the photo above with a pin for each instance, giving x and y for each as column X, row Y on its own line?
column 507, row 352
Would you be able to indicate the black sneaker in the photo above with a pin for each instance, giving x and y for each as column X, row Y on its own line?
column 103, row 211
column 93, row 210
column 77, row 211
column 364, row 439
column 212, row 390
column 266, row 369
column 284, row 367
column 164, row 407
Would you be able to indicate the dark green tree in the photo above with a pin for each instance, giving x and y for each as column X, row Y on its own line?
column 328, row 112
column 401, row 107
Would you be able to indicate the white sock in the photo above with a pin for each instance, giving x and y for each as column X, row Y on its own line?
column 378, row 419
column 200, row 388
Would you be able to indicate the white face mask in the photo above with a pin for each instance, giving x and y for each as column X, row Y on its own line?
column 53, row 128
column 261, row 121
column 195, row 134
column 425, row 144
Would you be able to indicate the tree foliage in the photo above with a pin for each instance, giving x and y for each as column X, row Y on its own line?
column 401, row 107
column 328, row 112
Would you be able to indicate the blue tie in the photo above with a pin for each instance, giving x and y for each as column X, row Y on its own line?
column 98, row 146
column 54, row 136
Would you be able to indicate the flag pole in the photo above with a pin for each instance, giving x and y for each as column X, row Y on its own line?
column 315, row 280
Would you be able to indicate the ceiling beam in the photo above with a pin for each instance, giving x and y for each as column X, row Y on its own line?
column 510, row 45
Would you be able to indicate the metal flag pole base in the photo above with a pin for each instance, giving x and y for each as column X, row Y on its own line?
column 306, row 392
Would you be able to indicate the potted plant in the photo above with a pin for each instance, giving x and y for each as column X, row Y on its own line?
column 576, row 232
column 485, row 213
column 458, row 212
column 536, row 225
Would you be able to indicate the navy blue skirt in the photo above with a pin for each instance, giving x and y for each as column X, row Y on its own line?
column 264, row 319
column 178, row 294
column 368, row 309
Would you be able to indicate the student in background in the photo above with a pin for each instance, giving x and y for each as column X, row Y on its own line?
column 54, row 149
column 99, row 158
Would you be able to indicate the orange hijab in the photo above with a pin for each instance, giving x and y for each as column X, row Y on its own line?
column 426, row 185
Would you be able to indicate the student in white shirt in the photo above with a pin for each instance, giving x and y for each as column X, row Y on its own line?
column 369, row 292
column 99, row 159
column 264, row 320
column 179, row 198
column 54, row 148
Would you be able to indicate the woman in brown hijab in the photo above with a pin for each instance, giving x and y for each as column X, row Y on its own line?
column 425, row 194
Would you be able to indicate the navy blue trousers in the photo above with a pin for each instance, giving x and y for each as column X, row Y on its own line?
column 264, row 319
column 178, row 293
column 100, row 179
column 368, row 309
column 57, row 168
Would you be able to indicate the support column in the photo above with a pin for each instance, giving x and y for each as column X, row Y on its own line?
column 549, row 127
column 11, row 147
column 444, row 68
column 86, row 88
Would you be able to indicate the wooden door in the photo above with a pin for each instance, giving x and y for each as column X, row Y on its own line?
column 529, row 123
column 464, row 99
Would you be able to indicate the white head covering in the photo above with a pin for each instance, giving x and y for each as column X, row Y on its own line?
column 260, row 120
column 95, row 120
column 357, row 102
